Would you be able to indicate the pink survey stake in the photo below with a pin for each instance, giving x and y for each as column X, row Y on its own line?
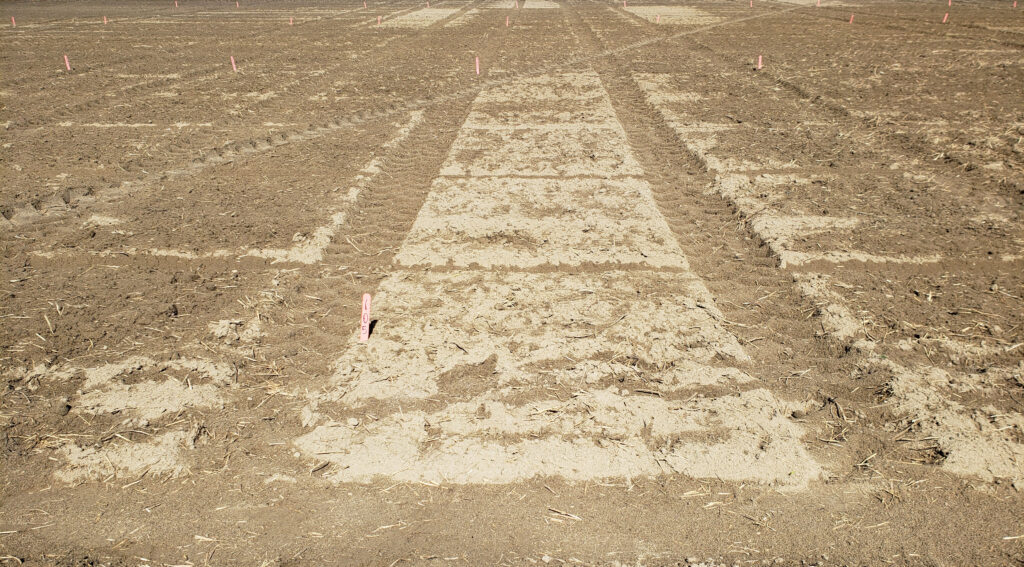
column 364, row 320
column 478, row 65
column 758, row 61
column 66, row 62
column 14, row 24
column 233, row 66
column 946, row 17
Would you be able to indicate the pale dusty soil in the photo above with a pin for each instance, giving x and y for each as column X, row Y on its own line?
column 635, row 301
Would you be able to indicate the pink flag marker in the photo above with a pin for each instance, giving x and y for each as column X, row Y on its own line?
column 104, row 20
column 819, row 3
column 364, row 320
column 233, row 66
column 364, row 4
column 517, row 4
column 506, row 21
column 946, row 17
column 658, row 20
column 478, row 65
column 759, row 63
column 175, row 3
column 623, row 3
column 378, row 20
column 66, row 62
column 291, row 21
column 949, row 3
column 851, row 18
column 14, row 25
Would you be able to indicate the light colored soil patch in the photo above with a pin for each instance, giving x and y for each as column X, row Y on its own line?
column 463, row 19
column 150, row 400
column 180, row 384
column 533, row 324
column 660, row 90
column 595, row 435
column 100, row 220
column 420, row 18
column 530, row 222
column 779, row 231
column 561, row 88
column 495, row 115
column 982, row 442
column 793, row 258
column 669, row 15
column 837, row 322
column 531, row 152
column 539, row 5
column 123, row 459
column 546, row 143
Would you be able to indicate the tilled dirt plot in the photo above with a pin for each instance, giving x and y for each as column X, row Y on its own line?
column 635, row 300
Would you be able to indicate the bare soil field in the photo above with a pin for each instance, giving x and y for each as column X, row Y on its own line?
column 654, row 283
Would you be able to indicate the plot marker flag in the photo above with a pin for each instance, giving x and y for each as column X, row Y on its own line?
column 946, row 17
column 233, row 66
column 478, row 65
column 759, row 62
column 66, row 62
column 14, row 25
column 364, row 320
